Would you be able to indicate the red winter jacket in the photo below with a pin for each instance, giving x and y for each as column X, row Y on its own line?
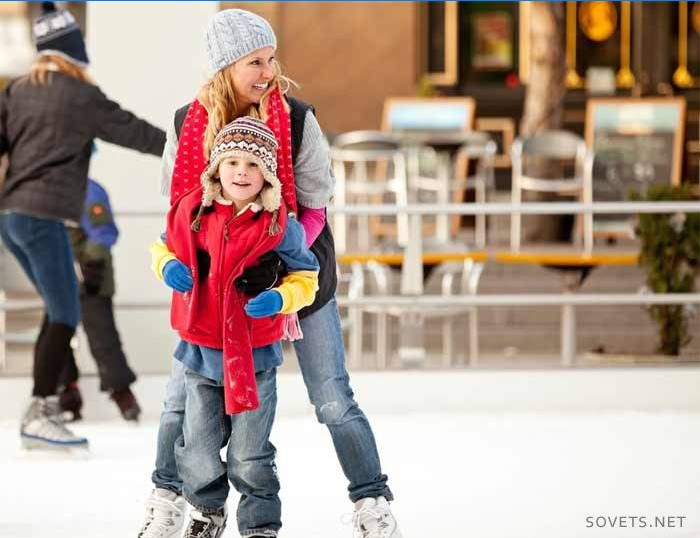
column 212, row 313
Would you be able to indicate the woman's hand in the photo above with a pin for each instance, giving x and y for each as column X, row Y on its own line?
column 262, row 276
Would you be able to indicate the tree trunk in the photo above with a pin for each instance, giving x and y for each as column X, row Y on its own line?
column 544, row 103
column 545, row 90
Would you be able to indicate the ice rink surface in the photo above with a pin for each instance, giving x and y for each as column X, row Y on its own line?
column 457, row 474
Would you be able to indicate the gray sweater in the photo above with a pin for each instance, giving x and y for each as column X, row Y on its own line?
column 47, row 132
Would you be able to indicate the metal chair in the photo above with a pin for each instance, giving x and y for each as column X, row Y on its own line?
column 454, row 277
column 369, row 167
column 481, row 147
column 552, row 146
column 445, row 178
column 352, row 284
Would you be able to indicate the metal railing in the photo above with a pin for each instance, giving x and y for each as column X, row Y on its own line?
column 524, row 299
column 411, row 346
column 412, row 298
column 490, row 208
column 526, row 208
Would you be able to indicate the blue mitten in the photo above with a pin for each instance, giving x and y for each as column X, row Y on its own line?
column 266, row 304
column 177, row 276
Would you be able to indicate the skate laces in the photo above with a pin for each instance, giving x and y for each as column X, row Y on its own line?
column 161, row 517
column 369, row 521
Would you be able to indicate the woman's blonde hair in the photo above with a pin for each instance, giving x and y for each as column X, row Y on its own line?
column 44, row 65
column 219, row 98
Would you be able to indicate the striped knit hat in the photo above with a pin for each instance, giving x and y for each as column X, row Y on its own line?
column 56, row 32
column 251, row 139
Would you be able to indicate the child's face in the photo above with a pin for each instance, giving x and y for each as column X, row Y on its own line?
column 241, row 180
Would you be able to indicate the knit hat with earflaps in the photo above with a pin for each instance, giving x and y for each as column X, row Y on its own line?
column 247, row 138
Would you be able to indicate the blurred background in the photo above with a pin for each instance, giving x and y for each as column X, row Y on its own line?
column 426, row 104
column 521, row 68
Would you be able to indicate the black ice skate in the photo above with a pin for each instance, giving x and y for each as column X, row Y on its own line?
column 127, row 404
column 71, row 402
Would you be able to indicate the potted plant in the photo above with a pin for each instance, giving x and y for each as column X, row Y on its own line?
column 670, row 252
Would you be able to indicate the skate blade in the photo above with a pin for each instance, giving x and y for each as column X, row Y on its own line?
column 45, row 454
column 30, row 443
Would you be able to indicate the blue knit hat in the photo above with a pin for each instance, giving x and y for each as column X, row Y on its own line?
column 235, row 33
column 56, row 32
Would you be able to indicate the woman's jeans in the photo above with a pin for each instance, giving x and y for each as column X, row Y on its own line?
column 42, row 248
column 250, row 455
column 321, row 357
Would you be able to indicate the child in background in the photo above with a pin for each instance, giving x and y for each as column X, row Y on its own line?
column 230, row 345
column 92, row 249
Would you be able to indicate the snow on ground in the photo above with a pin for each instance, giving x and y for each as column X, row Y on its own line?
column 461, row 474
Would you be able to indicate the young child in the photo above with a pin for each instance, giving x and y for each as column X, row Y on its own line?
column 92, row 243
column 215, row 232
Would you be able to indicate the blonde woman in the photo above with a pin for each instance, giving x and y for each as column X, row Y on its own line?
column 48, row 120
column 246, row 80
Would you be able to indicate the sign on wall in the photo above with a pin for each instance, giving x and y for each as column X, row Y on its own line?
column 428, row 114
column 637, row 142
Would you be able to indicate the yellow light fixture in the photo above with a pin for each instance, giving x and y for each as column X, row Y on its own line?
column 597, row 20
column 681, row 76
column 625, row 77
column 695, row 17
column 572, row 80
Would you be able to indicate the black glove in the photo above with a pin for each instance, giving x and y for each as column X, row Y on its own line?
column 93, row 276
column 263, row 276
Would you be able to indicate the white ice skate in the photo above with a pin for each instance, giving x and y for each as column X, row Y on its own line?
column 165, row 515
column 43, row 428
column 373, row 519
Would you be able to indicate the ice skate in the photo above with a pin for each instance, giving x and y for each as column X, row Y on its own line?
column 165, row 515
column 373, row 519
column 206, row 525
column 43, row 428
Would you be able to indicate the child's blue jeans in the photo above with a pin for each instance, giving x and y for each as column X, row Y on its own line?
column 250, row 455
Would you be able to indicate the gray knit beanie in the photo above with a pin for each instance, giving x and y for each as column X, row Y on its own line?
column 235, row 33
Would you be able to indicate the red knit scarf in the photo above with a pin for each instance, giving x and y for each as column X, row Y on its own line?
column 187, row 170
column 239, row 384
column 190, row 162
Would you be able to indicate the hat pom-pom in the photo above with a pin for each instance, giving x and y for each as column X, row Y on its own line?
column 48, row 7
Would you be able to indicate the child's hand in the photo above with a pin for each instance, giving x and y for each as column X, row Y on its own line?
column 177, row 276
column 265, row 304
column 93, row 275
